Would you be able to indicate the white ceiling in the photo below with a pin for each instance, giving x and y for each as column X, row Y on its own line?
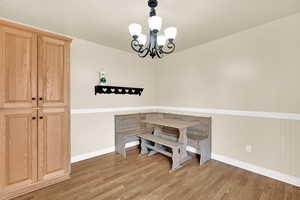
column 106, row 22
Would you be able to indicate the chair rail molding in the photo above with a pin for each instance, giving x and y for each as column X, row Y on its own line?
column 212, row 111
column 107, row 110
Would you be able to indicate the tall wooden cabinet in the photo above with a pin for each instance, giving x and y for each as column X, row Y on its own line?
column 34, row 109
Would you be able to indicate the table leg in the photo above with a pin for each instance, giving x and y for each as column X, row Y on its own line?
column 144, row 149
column 183, row 139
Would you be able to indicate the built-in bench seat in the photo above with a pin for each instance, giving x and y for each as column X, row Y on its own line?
column 160, row 140
column 122, row 137
column 127, row 127
column 202, row 144
column 135, row 132
column 173, row 145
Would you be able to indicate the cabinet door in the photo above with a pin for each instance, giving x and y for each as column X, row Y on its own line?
column 53, row 143
column 18, row 149
column 18, row 68
column 53, row 66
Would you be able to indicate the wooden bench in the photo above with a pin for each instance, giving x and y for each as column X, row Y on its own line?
column 175, row 147
column 202, row 145
column 123, row 137
column 127, row 127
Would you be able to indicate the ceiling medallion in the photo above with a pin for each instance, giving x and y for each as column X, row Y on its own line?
column 156, row 45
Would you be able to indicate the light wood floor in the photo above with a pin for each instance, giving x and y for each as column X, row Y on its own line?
column 111, row 177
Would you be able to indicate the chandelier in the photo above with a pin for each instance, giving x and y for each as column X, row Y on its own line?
column 156, row 45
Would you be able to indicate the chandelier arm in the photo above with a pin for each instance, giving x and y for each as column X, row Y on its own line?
column 158, row 53
column 136, row 46
column 170, row 48
column 142, row 52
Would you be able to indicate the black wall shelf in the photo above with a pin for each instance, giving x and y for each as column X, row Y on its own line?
column 103, row 89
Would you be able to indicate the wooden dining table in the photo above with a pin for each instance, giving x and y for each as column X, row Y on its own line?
column 181, row 125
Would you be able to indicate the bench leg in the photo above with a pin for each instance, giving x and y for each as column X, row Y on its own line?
column 205, row 152
column 144, row 149
column 156, row 132
column 175, row 159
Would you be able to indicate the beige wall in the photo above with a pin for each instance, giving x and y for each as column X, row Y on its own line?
column 122, row 69
column 91, row 132
column 256, row 70
column 95, row 131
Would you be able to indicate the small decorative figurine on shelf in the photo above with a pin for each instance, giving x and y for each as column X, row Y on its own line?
column 103, row 80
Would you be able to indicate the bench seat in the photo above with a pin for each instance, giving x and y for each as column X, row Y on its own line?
column 160, row 140
column 174, row 145
column 129, row 133
column 123, row 136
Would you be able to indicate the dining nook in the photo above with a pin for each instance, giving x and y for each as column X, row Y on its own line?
column 167, row 134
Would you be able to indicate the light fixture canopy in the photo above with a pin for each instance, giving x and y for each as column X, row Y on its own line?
column 156, row 45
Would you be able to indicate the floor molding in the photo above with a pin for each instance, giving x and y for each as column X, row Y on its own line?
column 258, row 170
column 209, row 111
column 86, row 156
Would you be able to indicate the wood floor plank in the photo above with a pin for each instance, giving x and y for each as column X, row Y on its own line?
column 111, row 177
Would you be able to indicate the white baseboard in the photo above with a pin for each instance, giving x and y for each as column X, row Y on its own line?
column 258, row 170
column 100, row 152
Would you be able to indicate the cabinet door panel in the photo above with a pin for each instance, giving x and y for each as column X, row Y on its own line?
column 18, row 68
column 54, row 150
column 18, row 143
column 53, row 72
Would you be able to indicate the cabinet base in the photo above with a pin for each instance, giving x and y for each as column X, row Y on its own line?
column 33, row 187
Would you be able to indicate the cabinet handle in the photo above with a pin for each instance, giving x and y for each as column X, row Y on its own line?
column 33, row 118
column 33, row 98
column 41, row 117
column 41, row 99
